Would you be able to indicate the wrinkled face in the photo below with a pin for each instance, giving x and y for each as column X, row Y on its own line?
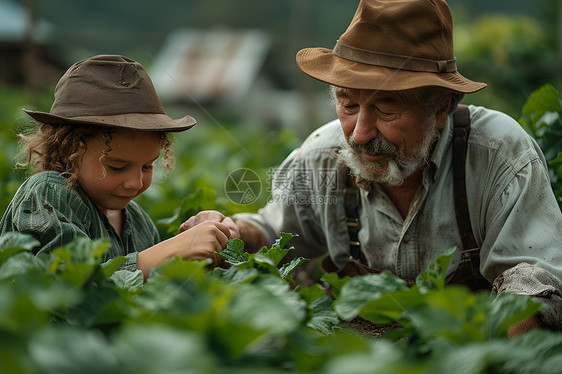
column 126, row 172
column 388, row 133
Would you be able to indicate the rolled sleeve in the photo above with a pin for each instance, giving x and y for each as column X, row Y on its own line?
column 527, row 279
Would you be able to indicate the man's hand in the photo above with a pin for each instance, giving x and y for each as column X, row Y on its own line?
column 525, row 326
column 211, row 215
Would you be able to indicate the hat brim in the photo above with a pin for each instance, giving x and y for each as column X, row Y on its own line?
column 135, row 121
column 323, row 65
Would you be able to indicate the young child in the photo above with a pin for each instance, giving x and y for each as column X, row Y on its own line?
column 93, row 153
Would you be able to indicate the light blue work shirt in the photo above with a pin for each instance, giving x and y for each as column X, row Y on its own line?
column 514, row 214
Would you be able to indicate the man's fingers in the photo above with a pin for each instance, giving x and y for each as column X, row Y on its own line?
column 234, row 229
column 206, row 215
column 186, row 225
column 209, row 215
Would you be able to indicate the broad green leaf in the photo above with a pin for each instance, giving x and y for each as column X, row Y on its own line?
column 19, row 316
column 336, row 283
column 361, row 290
column 434, row 276
column 100, row 305
column 278, row 251
column 234, row 252
column 276, row 254
column 65, row 350
column 177, row 268
column 235, row 275
column 14, row 242
column 289, row 268
column 451, row 315
column 390, row 306
column 508, row 309
column 317, row 355
column 236, row 337
column 546, row 98
column 19, row 263
column 265, row 261
column 284, row 239
column 323, row 317
column 83, row 250
column 147, row 348
column 538, row 351
column 268, row 305
column 127, row 280
column 111, row 266
column 382, row 357
column 310, row 293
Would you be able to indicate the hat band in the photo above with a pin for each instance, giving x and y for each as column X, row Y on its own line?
column 394, row 61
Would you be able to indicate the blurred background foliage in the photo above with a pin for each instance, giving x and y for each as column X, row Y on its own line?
column 513, row 46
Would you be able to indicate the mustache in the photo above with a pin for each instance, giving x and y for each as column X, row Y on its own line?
column 378, row 145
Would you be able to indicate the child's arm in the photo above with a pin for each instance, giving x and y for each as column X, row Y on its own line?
column 197, row 243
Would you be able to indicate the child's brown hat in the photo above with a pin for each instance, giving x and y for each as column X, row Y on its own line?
column 392, row 45
column 109, row 90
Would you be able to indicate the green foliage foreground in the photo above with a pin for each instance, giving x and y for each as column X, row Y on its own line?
column 69, row 312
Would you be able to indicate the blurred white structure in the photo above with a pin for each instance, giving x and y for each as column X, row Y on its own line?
column 220, row 74
column 213, row 65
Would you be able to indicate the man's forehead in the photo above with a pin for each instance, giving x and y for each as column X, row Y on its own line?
column 379, row 95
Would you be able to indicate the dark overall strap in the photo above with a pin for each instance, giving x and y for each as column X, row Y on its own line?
column 460, row 144
column 352, row 201
column 468, row 272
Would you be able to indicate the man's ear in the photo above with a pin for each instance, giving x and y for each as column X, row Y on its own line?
column 442, row 113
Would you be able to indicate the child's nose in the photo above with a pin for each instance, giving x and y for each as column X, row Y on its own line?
column 133, row 181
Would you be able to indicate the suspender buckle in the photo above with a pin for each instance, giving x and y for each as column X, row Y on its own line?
column 466, row 256
column 352, row 222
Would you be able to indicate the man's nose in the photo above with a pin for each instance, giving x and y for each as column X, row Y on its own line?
column 365, row 126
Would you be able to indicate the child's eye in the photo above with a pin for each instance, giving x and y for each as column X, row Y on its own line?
column 116, row 169
column 147, row 167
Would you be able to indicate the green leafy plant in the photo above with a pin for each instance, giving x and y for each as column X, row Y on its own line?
column 430, row 311
column 70, row 311
column 542, row 120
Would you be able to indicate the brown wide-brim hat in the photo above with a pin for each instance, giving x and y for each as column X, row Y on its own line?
column 392, row 45
column 109, row 90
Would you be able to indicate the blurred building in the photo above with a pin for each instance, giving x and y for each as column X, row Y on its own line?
column 222, row 73
column 25, row 55
column 209, row 65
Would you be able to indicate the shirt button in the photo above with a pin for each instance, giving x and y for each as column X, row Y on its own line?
column 406, row 238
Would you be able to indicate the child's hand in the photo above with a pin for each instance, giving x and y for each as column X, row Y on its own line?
column 203, row 240
column 197, row 243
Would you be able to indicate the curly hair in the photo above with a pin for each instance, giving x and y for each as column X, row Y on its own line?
column 60, row 148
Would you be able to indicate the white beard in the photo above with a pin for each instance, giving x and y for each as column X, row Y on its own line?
column 398, row 168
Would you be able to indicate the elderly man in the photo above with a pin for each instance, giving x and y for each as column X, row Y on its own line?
column 399, row 178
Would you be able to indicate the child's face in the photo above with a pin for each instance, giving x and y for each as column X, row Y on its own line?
column 128, row 168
